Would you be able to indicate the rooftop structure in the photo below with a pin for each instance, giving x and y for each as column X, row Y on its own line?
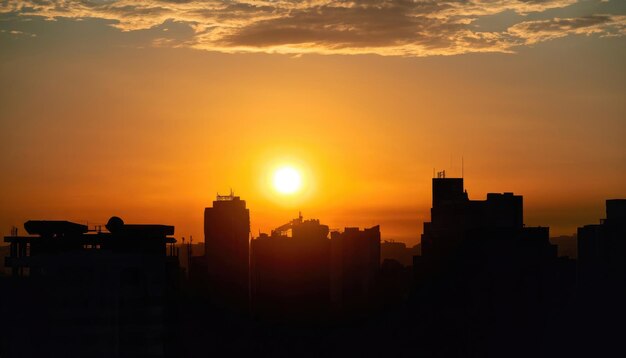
column 106, row 291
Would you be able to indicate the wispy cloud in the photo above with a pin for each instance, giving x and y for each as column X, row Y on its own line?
column 388, row 27
column 537, row 31
column 17, row 33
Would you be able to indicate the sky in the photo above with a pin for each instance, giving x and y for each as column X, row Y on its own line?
column 147, row 109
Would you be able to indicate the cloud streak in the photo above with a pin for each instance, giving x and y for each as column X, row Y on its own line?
column 391, row 27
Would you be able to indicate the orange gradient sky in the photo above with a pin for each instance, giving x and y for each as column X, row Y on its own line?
column 98, row 120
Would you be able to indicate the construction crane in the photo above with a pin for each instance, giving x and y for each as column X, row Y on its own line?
column 282, row 230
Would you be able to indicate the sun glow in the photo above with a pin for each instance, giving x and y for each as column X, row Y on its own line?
column 287, row 180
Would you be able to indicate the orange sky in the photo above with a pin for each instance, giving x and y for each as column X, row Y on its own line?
column 96, row 122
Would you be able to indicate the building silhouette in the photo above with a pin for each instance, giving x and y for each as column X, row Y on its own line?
column 355, row 270
column 567, row 245
column 483, row 273
column 227, row 253
column 602, row 283
column 458, row 224
column 399, row 252
column 291, row 273
column 188, row 253
column 96, row 293
column 482, row 285
column 602, row 247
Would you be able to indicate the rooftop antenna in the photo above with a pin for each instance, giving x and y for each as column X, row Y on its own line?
column 462, row 168
column 228, row 197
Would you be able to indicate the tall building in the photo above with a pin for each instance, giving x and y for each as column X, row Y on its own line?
column 227, row 248
column 478, row 262
column 455, row 219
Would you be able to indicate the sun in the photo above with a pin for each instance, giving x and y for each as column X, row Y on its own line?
column 287, row 180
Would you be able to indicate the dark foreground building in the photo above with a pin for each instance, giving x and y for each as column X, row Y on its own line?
column 601, row 297
column 485, row 282
column 81, row 293
column 602, row 248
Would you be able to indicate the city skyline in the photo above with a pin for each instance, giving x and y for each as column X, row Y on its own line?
column 412, row 238
column 483, row 283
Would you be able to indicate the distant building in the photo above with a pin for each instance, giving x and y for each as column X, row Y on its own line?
column 567, row 245
column 399, row 252
column 90, row 293
column 227, row 253
column 355, row 266
column 188, row 252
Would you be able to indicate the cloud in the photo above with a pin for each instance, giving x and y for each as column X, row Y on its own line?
column 17, row 33
column 387, row 27
column 538, row 31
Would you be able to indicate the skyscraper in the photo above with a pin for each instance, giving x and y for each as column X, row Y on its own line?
column 454, row 218
column 226, row 240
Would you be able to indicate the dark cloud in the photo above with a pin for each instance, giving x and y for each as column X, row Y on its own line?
column 388, row 27
column 341, row 27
